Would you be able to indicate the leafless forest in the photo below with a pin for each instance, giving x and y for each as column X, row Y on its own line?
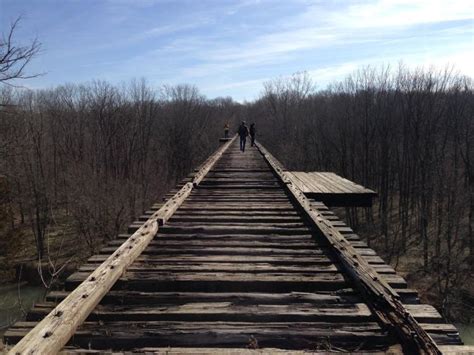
column 409, row 135
column 79, row 162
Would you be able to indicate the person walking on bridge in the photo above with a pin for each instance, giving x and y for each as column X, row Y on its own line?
column 226, row 130
column 252, row 134
column 243, row 133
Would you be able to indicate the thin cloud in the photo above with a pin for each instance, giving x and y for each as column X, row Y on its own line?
column 318, row 27
column 401, row 13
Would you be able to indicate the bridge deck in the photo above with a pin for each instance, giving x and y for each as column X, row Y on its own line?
column 237, row 266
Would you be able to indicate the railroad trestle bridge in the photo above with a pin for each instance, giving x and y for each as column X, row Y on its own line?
column 243, row 257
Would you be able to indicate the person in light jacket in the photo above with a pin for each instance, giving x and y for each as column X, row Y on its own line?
column 226, row 130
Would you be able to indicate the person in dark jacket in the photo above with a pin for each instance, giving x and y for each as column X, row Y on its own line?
column 252, row 134
column 243, row 133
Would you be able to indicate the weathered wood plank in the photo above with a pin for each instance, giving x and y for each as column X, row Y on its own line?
column 230, row 229
column 223, row 267
column 239, row 237
column 226, row 311
column 140, row 297
column 229, row 243
column 186, row 257
column 222, row 281
column 227, row 351
column 295, row 336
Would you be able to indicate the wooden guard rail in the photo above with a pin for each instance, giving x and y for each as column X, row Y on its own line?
column 54, row 331
column 379, row 295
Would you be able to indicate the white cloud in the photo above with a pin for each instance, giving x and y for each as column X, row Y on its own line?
column 322, row 27
column 247, row 84
column 402, row 13
column 461, row 60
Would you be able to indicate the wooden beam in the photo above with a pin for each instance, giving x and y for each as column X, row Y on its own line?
column 54, row 331
column 166, row 211
column 379, row 295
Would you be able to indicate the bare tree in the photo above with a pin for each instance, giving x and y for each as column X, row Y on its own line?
column 14, row 58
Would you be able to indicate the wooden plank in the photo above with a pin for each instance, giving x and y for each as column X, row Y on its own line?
column 187, row 257
column 239, row 237
column 225, row 351
column 457, row 350
column 349, row 182
column 162, row 273
column 323, row 278
column 236, row 207
column 299, row 335
column 241, row 229
column 295, row 244
column 218, row 192
column 231, row 213
column 225, row 280
column 267, row 226
column 339, row 183
column 226, row 311
column 140, row 297
column 236, row 258
column 217, row 310
column 311, row 184
column 224, row 267
column 203, row 250
column 245, row 186
column 332, row 185
column 297, row 181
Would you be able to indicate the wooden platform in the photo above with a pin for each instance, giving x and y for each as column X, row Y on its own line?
column 332, row 189
column 237, row 268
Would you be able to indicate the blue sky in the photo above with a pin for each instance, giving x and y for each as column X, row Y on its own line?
column 228, row 48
